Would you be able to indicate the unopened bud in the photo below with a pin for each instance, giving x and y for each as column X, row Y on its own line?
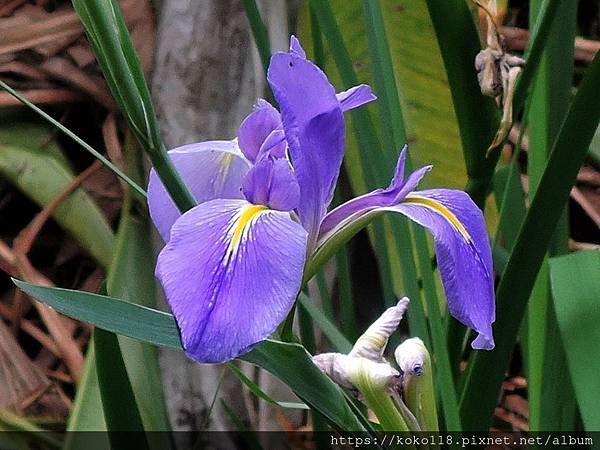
column 417, row 383
column 412, row 356
column 373, row 341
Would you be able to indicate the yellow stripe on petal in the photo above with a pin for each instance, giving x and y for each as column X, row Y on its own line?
column 244, row 217
column 440, row 209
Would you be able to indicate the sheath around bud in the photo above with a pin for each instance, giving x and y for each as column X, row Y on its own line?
column 333, row 365
column 350, row 372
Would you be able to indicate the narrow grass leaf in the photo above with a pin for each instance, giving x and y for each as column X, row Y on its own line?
column 339, row 342
column 120, row 408
column 76, row 138
column 110, row 314
column 259, row 31
column 550, row 394
column 131, row 278
column 259, row 393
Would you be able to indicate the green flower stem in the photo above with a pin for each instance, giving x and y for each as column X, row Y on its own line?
column 419, row 396
column 378, row 399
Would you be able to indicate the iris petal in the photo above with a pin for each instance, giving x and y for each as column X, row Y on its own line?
column 314, row 129
column 463, row 255
column 461, row 241
column 394, row 193
column 231, row 273
column 272, row 182
column 256, row 127
column 212, row 169
column 355, row 96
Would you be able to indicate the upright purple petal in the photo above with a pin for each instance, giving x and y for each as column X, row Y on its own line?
column 255, row 128
column 231, row 273
column 272, row 182
column 274, row 145
column 355, row 96
column 314, row 129
column 463, row 254
column 212, row 169
column 296, row 48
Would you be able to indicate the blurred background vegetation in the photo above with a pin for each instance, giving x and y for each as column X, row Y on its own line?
column 66, row 220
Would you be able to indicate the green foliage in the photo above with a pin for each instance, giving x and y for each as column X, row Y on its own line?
column 131, row 277
column 547, row 107
column 486, row 369
column 35, row 165
column 289, row 362
column 112, row 45
column 419, row 57
column 120, row 408
column 575, row 281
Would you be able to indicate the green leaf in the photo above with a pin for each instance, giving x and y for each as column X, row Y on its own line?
column 86, row 414
column 118, row 401
column 292, row 364
column 110, row 314
column 550, row 394
column 339, row 342
column 510, row 201
column 73, row 136
column 289, row 362
column 486, row 369
column 476, row 114
column 260, row 32
column 595, row 147
column 131, row 278
column 256, row 390
column 392, row 119
column 369, row 166
column 426, row 104
column 112, row 45
column 41, row 174
column 575, row 281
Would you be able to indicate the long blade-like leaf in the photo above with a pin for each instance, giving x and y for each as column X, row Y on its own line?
column 575, row 281
column 486, row 369
column 112, row 45
column 289, row 362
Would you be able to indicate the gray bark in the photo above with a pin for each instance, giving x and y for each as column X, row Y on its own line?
column 207, row 76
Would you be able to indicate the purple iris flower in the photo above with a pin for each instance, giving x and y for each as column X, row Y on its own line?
column 233, row 265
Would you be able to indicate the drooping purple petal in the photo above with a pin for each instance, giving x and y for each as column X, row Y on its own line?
column 231, row 272
column 255, row 128
column 272, row 182
column 212, row 169
column 355, row 96
column 463, row 255
column 314, row 129
column 394, row 193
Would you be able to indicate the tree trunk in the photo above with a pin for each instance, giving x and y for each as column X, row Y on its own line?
column 207, row 76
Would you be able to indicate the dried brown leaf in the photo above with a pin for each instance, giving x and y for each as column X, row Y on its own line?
column 20, row 377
